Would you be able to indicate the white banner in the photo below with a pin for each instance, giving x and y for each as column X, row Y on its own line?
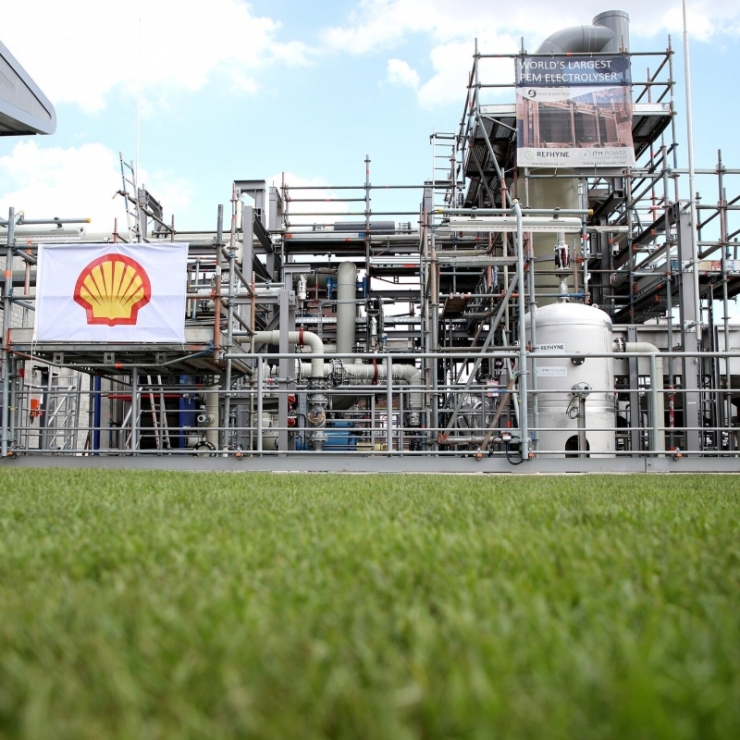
column 111, row 293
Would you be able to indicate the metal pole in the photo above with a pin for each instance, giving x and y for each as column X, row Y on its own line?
column 692, row 188
column 533, row 342
column 727, row 401
column 96, row 403
column 12, row 417
column 669, row 289
column 389, row 403
column 655, row 422
column 134, row 409
column 217, row 352
column 476, row 78
column 432, row 301
column 260, row 369
column 585, row 244
column 367, row 214
column 523, row 401
column 7, row 308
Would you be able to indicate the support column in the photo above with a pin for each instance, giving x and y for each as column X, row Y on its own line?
column 7, row 309
column 690, row 333
column 285, row 366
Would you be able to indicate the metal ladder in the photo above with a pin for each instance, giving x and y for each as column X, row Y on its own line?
column 130, row 193
column 159, row 413
column 158, row 410
column 444, row 169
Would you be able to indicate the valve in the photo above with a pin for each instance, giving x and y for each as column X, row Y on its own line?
column 302, row 288
column 562, row 256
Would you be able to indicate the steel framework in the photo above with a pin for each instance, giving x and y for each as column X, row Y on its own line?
column 338, row 336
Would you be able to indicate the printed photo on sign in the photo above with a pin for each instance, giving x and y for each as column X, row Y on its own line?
column 574, row 112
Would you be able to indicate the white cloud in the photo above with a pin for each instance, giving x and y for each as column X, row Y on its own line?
column 705, row 20
column 400, row 73
column 452, row 27
column 452, row 63
column 81, row 56
column 174, row 193
column 700, row 26
column 375, row 23
column 383, row 23
column 78, row 183
column 242, row 83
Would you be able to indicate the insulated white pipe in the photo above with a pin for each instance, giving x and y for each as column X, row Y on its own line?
column 303, row 338
column 659, row 405
column 212, row 405
column 408, row 373
column 346, row 294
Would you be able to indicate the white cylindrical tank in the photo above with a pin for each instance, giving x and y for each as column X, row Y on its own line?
column 573, row 331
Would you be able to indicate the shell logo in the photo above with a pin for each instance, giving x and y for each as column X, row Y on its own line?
column 112, row 289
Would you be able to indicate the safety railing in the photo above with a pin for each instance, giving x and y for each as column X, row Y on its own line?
column 385, row 414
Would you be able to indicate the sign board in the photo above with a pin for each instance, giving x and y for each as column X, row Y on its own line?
column 574, row 111
column 716, row 265
column 111, row 293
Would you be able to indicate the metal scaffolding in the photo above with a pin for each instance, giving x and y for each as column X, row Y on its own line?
column 500, row 323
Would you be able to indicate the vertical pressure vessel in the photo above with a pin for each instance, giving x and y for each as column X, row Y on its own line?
column 572, row 331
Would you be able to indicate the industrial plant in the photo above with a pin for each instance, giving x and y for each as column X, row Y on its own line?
column 560, row 300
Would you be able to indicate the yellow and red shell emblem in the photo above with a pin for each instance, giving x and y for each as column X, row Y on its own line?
column 112, row 289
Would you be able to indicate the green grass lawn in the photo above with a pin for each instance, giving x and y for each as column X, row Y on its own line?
column 158, row 605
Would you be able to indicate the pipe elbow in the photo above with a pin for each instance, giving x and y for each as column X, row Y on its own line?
column 645, row 347
column 316, row 345
column 347, row 274
column 313, row 341
column 307, row 338
column 412, row 376
column 648, row 349
column 576, row 40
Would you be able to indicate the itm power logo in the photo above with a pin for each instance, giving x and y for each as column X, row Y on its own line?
column 112, row 289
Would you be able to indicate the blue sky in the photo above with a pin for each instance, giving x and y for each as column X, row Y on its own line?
column 233, row 90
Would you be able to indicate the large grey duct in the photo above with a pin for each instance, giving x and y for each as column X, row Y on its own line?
column 346, row 307
column 609, row 33
column 576, row 39
column 618, row 22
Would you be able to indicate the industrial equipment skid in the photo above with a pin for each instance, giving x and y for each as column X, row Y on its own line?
column 521, row 319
